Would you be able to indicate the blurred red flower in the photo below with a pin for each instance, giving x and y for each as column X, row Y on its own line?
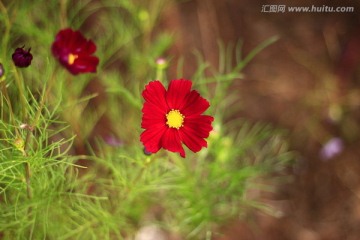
column 75, row 52
column 172, row 117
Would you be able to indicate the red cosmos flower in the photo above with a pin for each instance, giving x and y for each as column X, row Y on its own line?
column 173, row 117
column 75, row 52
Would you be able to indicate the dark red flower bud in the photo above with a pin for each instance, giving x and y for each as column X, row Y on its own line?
column 21, row 57
column 2, row 71
column 146, row 152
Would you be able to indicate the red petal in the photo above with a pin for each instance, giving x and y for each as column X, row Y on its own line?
column 152, row 116
column 77, row 42
column 195, row 129
column 199, row 125
column 192, row 140
column 152, row 123
column 90, row 47
column 81, row 46
column 153, row 111
column 154, row 93
column 58, row 49
column 83, row 65
column 151, row 138
column 195, row 104
column 172, row 142
column 69, row 41
column 63, row 38
column 177, row 91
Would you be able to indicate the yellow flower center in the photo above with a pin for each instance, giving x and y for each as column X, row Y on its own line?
column 175, row 119
column 71, row 58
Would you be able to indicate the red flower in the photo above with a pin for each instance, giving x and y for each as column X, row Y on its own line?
column 75, row 52
column 173, row 117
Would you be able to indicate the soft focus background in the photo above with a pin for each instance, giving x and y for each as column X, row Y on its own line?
column 308, row 83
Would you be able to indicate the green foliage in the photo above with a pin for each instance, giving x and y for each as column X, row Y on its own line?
column 47, row 115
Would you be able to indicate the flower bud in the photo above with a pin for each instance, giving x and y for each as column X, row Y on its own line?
column 21, row 57
column 146, row 152
column 2, row 71
column 161, row 63
column 19, row 144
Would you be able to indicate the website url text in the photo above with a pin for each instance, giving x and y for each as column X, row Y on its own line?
column 312, row 9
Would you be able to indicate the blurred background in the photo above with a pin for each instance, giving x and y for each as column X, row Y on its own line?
column 307, row 83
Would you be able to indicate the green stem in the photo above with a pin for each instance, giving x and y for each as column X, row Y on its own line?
column 27, row 164
column 27, row 178
column 159, row 74
column 30, row 129
column 63, row 14
column 19, row 82
column 23, row 102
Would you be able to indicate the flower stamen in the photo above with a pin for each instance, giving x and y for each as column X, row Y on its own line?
column 174, row 119
column 71, row 58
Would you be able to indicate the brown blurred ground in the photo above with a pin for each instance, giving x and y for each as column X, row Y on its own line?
column 307, row 82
